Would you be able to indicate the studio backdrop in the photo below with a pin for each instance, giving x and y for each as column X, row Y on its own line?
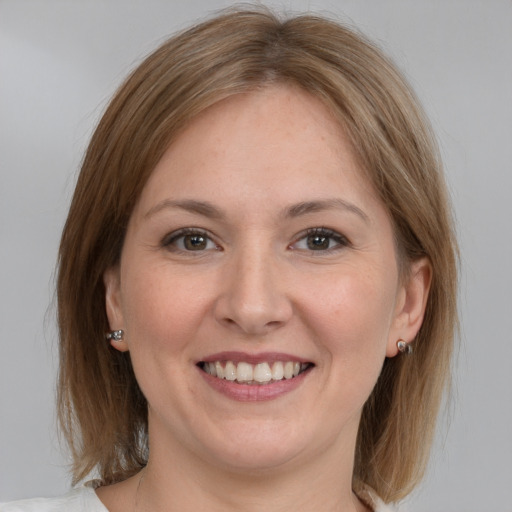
column 60, row 61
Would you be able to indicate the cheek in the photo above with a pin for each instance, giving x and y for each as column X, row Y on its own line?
column 351, row 314
column 162, row 309
column 162, row 312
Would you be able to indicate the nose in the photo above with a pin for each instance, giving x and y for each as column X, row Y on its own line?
column 253, row 297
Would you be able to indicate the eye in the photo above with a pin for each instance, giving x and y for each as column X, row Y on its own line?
column 320, row 239
column 189, row 240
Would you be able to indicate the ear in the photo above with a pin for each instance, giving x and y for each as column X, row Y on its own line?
column 410, row 306
column 112, row 281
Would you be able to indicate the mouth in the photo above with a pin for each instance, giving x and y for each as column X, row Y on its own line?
column 259, row 374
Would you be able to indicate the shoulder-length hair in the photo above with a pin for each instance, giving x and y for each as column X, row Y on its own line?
column 102, row 411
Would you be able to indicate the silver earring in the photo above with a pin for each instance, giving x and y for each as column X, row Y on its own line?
column 404, row 347
column 115, row 335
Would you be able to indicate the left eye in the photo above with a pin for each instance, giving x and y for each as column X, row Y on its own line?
column 189, row 241
column 320, row 239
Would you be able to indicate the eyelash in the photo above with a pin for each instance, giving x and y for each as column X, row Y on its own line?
column 341, row 240
column 170, row 241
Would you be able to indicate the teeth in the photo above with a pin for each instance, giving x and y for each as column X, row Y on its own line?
column 244, row 372
column 277, row 370
column 219, row 370
column 288, row 370
column 230, row 371
column 210, row 368
column 260, row 373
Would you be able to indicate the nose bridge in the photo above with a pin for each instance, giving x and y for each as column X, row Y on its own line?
column 254, row 296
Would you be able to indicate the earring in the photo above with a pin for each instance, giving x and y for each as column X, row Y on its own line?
column 115, row 335
column 404, row 347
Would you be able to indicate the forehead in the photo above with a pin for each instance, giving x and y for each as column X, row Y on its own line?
column 277, row 140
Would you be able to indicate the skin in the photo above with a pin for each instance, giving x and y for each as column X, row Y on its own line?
column 257, row 286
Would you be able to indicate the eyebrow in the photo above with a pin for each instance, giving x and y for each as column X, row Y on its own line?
column 190, row 205
column 207, row 209
column 321, row 205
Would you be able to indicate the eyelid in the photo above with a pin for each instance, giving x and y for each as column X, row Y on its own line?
column 342, row 240
column 169, row 239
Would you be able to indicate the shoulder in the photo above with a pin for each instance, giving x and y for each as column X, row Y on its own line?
column 82, row 499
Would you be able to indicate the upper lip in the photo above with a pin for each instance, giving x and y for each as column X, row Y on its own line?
column 262, row 357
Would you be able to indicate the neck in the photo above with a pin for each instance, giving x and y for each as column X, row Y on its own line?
column 184, row 481
column 240, row 494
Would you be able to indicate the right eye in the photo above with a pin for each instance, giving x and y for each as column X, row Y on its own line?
column 189, row 240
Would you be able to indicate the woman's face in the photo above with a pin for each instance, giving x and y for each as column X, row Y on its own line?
column 258, row 250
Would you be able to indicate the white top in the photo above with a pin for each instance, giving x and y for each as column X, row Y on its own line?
column 81, row 499
column 84, row 499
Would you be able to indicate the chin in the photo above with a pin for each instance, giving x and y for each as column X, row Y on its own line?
column 263, row 446
column 257, row 457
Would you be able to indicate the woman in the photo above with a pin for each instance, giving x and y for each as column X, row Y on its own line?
column 256, row 279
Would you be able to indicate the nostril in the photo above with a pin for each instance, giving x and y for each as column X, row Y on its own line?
column 252, row 301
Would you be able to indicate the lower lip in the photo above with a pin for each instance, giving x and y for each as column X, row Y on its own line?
column 256, row 392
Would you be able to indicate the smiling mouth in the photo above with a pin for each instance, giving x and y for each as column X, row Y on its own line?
column 254, row 374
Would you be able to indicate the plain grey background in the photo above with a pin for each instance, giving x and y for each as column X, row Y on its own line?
column 60, row 61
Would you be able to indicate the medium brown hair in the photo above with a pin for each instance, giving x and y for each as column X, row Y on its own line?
column 102, row 410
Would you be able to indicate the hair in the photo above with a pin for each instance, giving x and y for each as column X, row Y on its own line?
column 102, row 411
